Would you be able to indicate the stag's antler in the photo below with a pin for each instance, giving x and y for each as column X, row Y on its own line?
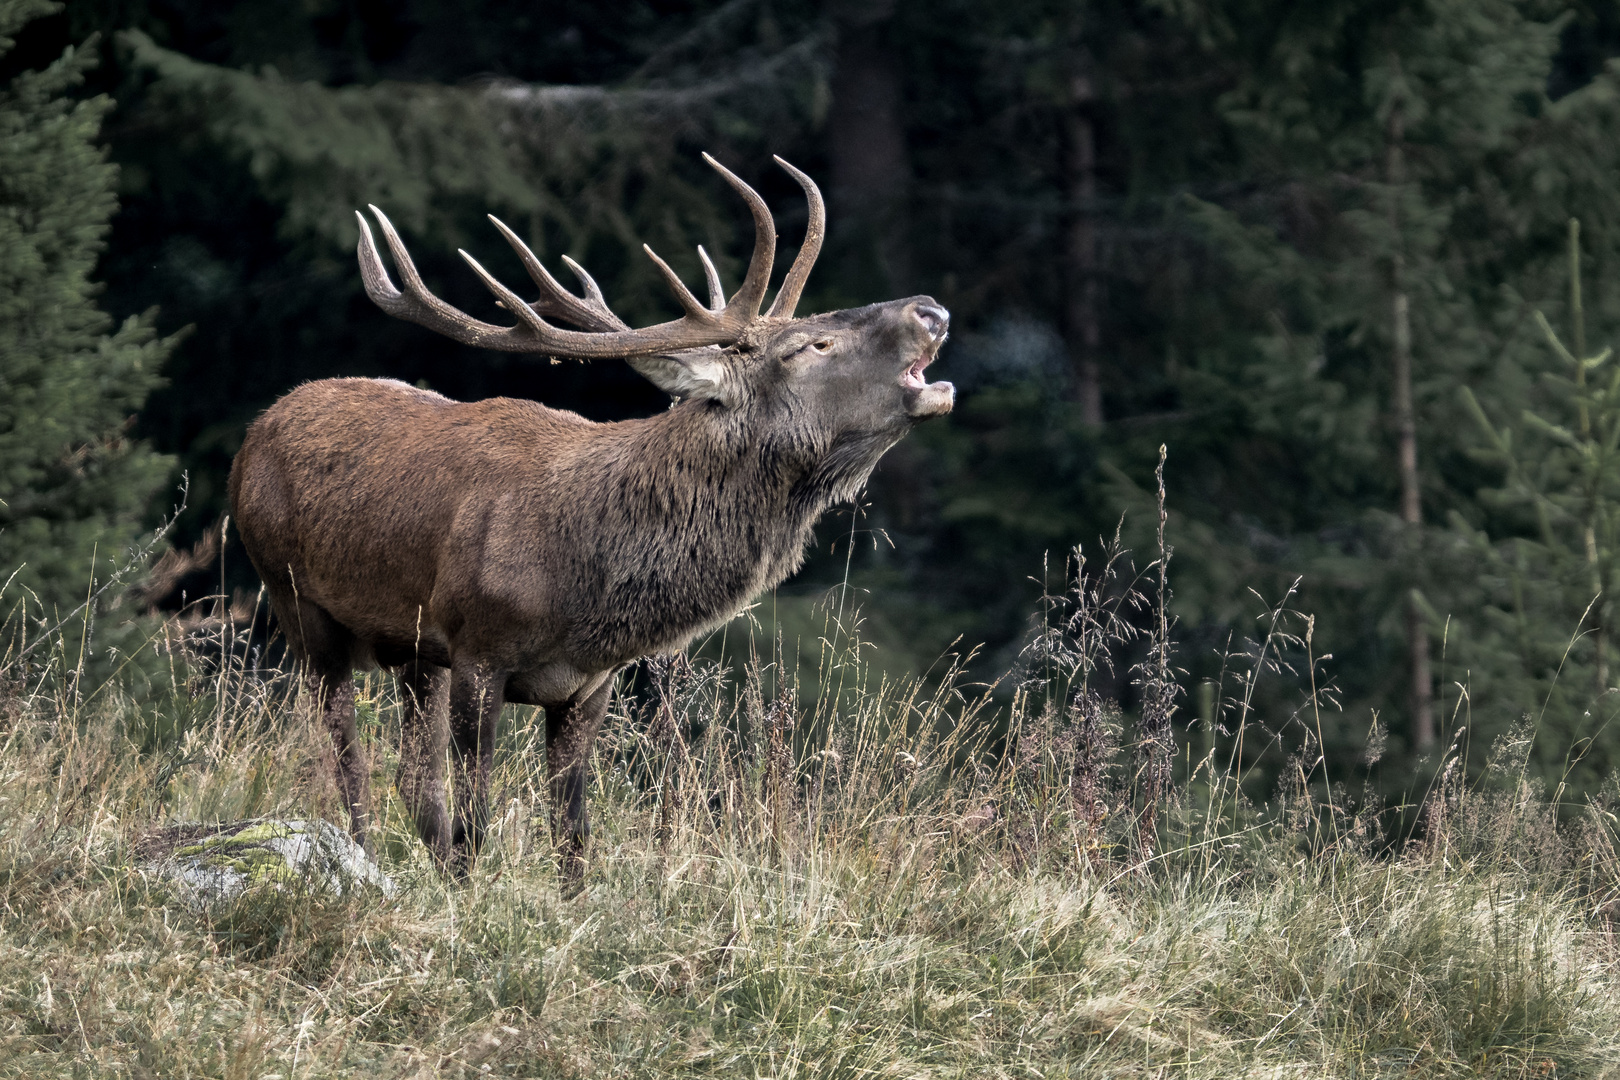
column 605, row 335
column 788, row 298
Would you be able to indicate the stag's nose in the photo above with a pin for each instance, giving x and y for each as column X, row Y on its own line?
column 935, row 319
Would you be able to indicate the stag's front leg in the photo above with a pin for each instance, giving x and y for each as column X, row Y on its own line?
column 476, row 695
column 570, row 731
column 424, row 738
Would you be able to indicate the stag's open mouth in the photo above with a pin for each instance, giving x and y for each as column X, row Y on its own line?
column 912, row 377
column 923, row 398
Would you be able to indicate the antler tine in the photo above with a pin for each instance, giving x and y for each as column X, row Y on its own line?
column 592, row 313
column 372, row 272
column 593, row 292
column 683, row 295
column 787, row 298
column 717, row 294
column 747, row 298
column 415, row 303
column 510, row 300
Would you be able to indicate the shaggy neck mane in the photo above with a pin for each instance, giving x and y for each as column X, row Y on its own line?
column 712, row 513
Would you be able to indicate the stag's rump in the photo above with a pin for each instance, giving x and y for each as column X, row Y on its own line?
column 372, row 501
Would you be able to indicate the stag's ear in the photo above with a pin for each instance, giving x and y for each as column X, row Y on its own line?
column 691, row 373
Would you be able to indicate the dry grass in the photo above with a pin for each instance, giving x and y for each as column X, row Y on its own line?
column 840, row 883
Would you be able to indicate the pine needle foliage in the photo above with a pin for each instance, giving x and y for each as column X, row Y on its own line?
column 73, row 483
column 1548, row 608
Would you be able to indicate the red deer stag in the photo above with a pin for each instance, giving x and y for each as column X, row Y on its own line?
column 502, row 551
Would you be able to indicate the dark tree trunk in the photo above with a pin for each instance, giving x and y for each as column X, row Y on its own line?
column 871, row 170
column 1082, row 332
column 1600, row 584
column 1417, row 631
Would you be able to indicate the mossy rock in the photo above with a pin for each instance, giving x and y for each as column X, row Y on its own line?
column 214, row 863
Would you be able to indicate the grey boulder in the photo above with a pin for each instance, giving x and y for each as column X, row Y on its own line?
column 213, row 863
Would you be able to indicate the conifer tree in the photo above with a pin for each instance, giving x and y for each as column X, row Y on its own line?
column 1380, row 143
column 72, row 480
column 1543, row 636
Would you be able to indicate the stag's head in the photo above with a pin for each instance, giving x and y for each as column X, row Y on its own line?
column 842, row 378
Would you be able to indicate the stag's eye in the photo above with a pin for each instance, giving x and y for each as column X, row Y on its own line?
column 823, row 346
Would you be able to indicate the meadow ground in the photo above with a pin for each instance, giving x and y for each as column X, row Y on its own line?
column 843, row 883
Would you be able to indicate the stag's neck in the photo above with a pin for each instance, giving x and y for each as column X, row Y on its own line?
column 707, row 515
column 753, row 497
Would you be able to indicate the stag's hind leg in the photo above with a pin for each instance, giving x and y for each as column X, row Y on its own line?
column 328, row 656
column 570, row 731
column 423, row 739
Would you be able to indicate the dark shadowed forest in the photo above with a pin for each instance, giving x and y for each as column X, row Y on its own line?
column 1355, row 264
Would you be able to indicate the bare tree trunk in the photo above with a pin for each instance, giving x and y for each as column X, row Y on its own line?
column 871, row 170
column 1577, row 316
column 1082, row 332
column 1417, row 632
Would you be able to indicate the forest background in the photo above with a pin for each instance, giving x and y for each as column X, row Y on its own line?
column 1325, row 254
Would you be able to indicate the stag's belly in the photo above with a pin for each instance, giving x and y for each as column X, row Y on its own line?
column 551, row 684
